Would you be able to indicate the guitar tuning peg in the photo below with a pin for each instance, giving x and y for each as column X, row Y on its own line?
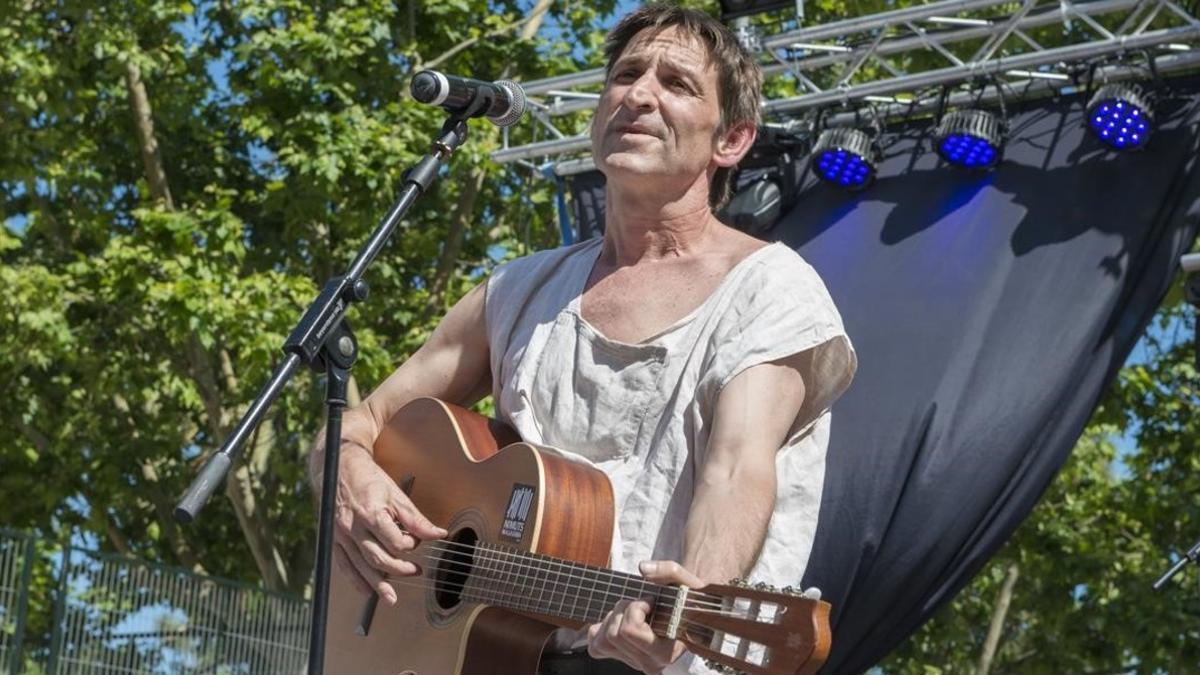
column 791, row 590
column 738, row 582
column 763, row 586
column 812, row 593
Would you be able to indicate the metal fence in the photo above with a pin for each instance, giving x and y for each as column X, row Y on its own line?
column 16, row 569
column 116, row 615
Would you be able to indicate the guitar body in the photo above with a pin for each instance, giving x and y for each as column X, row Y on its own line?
column 451, row 463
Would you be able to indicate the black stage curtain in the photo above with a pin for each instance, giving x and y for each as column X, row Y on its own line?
column 989, row 311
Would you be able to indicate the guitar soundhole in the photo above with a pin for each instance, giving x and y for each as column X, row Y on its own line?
column 454, row 568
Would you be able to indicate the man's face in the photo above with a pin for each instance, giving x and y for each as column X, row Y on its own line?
column 659, row 113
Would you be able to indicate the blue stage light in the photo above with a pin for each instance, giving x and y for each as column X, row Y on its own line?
column 844, row 157
column 970, row 138
column 1121, row 116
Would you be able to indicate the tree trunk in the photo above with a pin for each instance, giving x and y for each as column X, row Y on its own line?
column 239, row 488
column 143, row 122
column 116, row 537
column 242, row 484
column 537, row 16
column 463, row 211
column 152, row 491
column 997, row 626
column 164, row 510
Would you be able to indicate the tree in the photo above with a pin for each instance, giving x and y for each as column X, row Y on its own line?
column 177, row 179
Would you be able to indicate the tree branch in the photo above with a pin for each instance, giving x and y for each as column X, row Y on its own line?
column 997, row 626
column 240, row 492
column 535, row 18
column 448, row 260
column 115, row 536
column 163, row 506
column 465, row 209
column 143, row 122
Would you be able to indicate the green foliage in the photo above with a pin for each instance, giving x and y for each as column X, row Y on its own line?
column 135, row 331
column 133, row 334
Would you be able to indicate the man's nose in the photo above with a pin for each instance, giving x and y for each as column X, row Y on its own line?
column 641, row 93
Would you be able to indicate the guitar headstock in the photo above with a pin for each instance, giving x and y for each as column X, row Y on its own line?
column 756, row 629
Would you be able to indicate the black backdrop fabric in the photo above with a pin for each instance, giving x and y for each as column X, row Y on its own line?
column 989, row 312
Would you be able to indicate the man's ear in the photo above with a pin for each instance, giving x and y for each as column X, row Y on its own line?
column 734, row 143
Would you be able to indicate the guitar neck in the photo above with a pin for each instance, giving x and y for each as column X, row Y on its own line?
column 530, row 582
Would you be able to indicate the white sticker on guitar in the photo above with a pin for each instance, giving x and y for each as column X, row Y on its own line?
column 513, row 527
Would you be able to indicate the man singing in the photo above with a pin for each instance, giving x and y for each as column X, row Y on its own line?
column 691, row 363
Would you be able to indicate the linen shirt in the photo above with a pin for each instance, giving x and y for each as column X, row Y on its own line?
column 642, row 413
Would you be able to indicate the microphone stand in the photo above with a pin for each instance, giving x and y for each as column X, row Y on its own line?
column 1191, row 292
column 1193, row 556
column 322, row 340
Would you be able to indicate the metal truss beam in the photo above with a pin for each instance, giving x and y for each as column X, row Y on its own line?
column 1007, row 51
column 969, row 71
column 1031, row 89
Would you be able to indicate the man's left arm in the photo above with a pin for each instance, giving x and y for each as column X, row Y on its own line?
column 731, row 507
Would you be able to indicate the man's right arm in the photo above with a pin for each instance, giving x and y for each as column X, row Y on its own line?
column 375, row 522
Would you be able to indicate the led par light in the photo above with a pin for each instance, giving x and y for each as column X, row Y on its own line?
column 844, row 157
column 971, row 138
column 1120, row 116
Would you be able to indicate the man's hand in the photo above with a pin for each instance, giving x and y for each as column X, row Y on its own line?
column 625, row 634
column 375, row 525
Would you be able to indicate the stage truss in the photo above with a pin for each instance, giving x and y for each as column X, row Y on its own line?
column 900, row 63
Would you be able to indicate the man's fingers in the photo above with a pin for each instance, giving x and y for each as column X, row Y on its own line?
column 638, row 633
column 347, row 568
column 669, row 572
column 394, row 540
column 634, row 627
column 601, row 647
column 374, row 579
column 607, row 640
column 376, row 555
column 373, row 552
column 414, row 521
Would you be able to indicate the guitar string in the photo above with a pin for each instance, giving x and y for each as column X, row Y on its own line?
column 688, row 605
column 517, row 554
column 659, row 617
column 666, row 591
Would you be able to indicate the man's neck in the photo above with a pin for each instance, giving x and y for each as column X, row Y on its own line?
column 641, row 227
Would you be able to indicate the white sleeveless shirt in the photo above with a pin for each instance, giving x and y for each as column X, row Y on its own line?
column 642, row 413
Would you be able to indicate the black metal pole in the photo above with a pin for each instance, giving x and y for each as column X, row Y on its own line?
column 1192, row 556
column 339, row 354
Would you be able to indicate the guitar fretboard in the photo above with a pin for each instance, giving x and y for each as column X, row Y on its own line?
column 515, row 579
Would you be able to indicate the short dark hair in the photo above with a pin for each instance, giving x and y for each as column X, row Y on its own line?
column 739, row 79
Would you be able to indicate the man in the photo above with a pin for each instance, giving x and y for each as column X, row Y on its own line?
column 677, row 354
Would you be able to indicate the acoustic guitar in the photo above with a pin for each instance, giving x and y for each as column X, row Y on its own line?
column 530, row 532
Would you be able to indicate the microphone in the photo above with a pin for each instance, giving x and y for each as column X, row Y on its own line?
column 502, row 102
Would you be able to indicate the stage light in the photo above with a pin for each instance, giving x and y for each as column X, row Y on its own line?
column 971, row 138
column 844, row 157
column 1121, row 116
